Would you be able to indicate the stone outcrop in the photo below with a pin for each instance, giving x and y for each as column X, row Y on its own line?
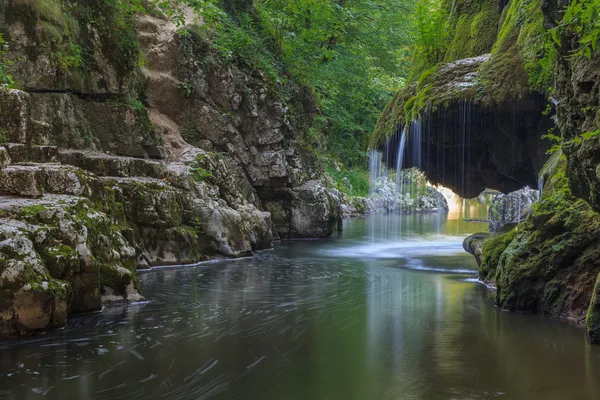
column 511, row 208
column 466, row 142
column 549, row 263
column 474, row 120
column 414, row 198
column 110, row 164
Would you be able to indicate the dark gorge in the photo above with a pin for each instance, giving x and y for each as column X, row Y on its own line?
column 469, row 147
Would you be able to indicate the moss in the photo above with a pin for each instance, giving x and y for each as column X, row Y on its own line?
column 61, row 260
column 515, row 67
column 111, row 277
column 393, row 116
column 475, row 31
column 30, row 212
column 542, row 264
column 492, row 251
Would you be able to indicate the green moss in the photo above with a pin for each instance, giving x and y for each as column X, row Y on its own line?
column 61, row 260
column 392, row 116
column 536, row 265
column 515, row 67
column 111, row 277
column 475, row 31
column 492, row 251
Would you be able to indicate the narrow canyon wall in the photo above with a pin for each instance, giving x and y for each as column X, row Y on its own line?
column 129, row 144
column 480, row 121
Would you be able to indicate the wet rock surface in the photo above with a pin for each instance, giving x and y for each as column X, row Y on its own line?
column 511, row 208
column 128, row 168
column 387, row 197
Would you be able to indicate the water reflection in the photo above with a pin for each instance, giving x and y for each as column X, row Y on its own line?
column 305, row 322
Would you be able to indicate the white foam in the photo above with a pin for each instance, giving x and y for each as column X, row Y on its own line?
column 405, row 248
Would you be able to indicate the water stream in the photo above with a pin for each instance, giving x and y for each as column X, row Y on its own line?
column 402, row 317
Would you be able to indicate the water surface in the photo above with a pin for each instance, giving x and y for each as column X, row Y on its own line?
column 388, row 310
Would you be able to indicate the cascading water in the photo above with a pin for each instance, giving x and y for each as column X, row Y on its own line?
column 375, row 168
column 423, row 146
column 399, row 186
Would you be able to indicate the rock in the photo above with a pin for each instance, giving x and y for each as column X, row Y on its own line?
column 386, row 197
column 511, row 208
column 314, row 212
column 354, row 206
column 474, row 245
column 592, row 322
column 109, row 167
column 4, row 157
column 486, row 143
column 548, row 263
column 62, row 253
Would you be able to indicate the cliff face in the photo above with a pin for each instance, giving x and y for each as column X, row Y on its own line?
column 130, row 144
column 480, row 121
column 549, row 263
column 477, row 115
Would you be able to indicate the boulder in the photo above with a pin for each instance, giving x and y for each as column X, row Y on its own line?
column 511, row 208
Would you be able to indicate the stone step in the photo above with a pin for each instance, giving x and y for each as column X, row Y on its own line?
column 34, row 180
column 143, row 184
column 102, row 164
column 20, row 152
column 4, row 157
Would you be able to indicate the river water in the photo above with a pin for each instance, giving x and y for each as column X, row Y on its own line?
column 372, row 314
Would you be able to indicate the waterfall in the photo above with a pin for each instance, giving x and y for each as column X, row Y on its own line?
column 399, row 186
column 375, row 168
column 399, row 164
column 541, row 184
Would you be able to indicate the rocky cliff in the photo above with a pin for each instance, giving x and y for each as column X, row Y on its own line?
column 549, row 263
column 131, row 143
column 476, row 114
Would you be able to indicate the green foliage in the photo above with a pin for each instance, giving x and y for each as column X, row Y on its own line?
column 3, row 137
column 70, row 59
column 432, row 31
column 135, row 104
column 201, row 174
column 590, row 135
column 6, row 78
column 582, row 17
column 555, row 140
column 353, row 54
column 354, row 182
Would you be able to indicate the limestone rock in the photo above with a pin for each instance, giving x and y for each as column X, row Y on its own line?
column 474, row 245
column 315, row 212
column 511, row 208
column 388, row 198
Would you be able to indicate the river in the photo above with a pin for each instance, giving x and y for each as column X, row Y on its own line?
column 371, row 314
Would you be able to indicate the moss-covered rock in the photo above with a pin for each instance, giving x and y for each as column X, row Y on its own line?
column 482, row 112
column 81, row 47
column 549, row 263
column 475, row 28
